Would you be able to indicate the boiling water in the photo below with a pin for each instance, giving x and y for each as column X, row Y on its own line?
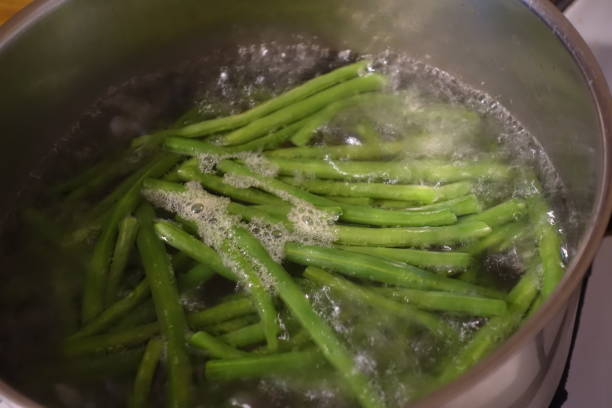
column 398, row 358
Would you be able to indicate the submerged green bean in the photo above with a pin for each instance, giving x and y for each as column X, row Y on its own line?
column 381, row 270
column 284, row 100
column 443, row 261
column 381, row 303
column 169, row 311
column 125, row 241
column 413, row 171
column 144, row 376
column 303, row 108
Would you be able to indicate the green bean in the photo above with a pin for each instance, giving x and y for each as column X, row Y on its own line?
column 137, row 335
column 170, row 314
column 413, row 171
column 109, row 342
column 245, row 336
column 303, row 136
column 253, row 212
column 415, row 236
column 501, row 235
column 381, row 303
column 214, row 347
column 183, row 241
column 194, row 277
column 465, row 205
column 443, row 261
column 365, row 201
column 500, row 214
column 549, row 249
column 287, row 99
column 367, row 134
column 549, row 243
column 257, row 291
column 221, row 313
column 232, row 324
column 496, row 329
column 414, row 193
column 145, row 311
column 144, row 377
column 447, row 302
column 94, row 291
column 372, row 216
column 273, row 185
column 292, row 295
column 125, row 241
column 260, row 366
column 216, row 184
column 377, row 269
column 303, row 108
column 114, row 312
column 343, row 152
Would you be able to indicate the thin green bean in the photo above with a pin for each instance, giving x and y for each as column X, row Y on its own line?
column 377, row 269
column 381, row 303
column 284, row 100
column 260, row 366
column 447, row 262
column 305, row 134
column 500, row 214
column 215, row 347
column 144, row 376
column 216, row 184
column 447, row 302
column 411, row 237
column 465, row 205
column 95, row 280
column 303, row 108
column 125, row 242
column 293, row 296
column 169, row 310
column 413, row 171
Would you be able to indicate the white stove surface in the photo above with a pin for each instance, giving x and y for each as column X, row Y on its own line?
column 589, row 383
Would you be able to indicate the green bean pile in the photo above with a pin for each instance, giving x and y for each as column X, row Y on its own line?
column 295, row 225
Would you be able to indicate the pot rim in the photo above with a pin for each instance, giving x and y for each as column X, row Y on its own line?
column 585, row 252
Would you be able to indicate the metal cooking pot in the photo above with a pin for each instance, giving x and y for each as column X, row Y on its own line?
column 56, row 55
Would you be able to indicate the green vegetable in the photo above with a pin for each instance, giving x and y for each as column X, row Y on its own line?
column 465, row 205
column 94, row 291
column 447, row 302
column 413, row 193
column 377, row 269
column 289, row 98
column 444, row 261
column 416, row 236
column 381, row 303
column 413, row 171
column 214, row 347
column 303, row 136
column 303, row 108
column 261, row 366
column 170, row 314
column 333, row 350
column 144, row 377
column 343, row 152
column 125, row 241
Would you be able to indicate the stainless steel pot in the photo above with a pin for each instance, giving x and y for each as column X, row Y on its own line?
column 57, row 54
